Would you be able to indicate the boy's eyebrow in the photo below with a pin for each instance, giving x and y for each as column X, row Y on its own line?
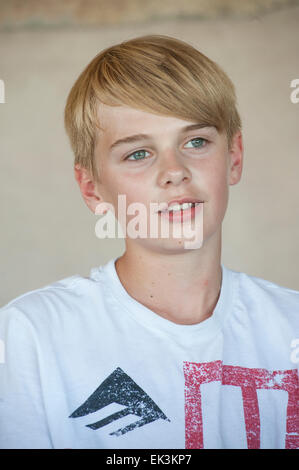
column 135, row 138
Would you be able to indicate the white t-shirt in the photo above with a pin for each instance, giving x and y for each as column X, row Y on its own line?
column 84, row 365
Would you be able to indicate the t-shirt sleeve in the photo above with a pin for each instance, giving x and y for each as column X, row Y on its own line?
column 23, row 423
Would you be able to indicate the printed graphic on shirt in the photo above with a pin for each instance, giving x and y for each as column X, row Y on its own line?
column 249, row 380
column 120, row 388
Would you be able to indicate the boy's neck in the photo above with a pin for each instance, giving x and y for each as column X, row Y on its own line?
column 183, row 288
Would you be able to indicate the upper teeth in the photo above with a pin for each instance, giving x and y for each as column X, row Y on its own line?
column 178, row 207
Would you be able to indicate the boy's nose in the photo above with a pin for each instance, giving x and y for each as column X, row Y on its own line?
column 173, row 170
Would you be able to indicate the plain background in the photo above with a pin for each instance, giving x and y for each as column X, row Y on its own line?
column 47, row 231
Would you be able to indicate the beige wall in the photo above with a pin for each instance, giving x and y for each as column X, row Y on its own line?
column 35, row 14
column 47, row 232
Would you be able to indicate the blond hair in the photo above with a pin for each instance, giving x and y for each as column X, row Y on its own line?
column 153, row 73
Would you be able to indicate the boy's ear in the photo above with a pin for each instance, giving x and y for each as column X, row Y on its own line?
column 235, row 159
column 87, row 188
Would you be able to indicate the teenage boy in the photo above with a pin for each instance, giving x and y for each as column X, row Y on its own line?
column 164, row 346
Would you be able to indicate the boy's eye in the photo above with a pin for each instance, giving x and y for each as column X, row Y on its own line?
column 139, row 155
column 198, row 141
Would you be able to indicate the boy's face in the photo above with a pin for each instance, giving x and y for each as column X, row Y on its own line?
column 170, row 163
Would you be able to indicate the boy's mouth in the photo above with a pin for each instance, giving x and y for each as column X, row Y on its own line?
column 180, row 212
column 180, row 205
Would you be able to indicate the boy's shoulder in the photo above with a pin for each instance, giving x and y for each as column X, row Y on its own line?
column 67, row 295
column 62, row 285
column 251, row 282
column 260, row 295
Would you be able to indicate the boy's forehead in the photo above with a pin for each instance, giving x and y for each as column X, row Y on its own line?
column 116, row 117
column 120, row 117
column 120, row 121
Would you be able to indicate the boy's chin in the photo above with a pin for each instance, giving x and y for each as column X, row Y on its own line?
column 168, row 245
